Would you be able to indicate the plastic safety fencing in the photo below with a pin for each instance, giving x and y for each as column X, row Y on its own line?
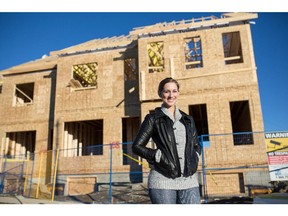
column 232, row 164
column 25, row 174
column 111, row 173
column 98, row 174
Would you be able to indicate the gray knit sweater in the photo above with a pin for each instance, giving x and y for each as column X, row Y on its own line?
column 155, row 179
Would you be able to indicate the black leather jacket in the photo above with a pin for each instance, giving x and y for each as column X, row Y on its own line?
column 159, row 127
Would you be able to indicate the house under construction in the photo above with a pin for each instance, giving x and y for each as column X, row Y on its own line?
column 98, row 92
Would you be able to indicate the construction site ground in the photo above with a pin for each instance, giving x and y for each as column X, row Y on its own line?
column 134, row 194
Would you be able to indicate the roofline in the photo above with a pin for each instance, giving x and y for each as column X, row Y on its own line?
column 193, row 24
column 21, row 69
column 103, row 49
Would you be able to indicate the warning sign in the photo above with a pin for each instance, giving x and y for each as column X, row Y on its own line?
column 277, row 153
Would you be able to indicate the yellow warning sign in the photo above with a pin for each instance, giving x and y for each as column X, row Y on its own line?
column 277, row 153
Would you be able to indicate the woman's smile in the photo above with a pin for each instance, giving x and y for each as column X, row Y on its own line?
column 170, row 94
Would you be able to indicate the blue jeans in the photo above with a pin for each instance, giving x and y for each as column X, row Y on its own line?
column 164, row 196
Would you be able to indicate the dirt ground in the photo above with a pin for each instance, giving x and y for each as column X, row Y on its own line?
column 137, row 194
column 121, row 194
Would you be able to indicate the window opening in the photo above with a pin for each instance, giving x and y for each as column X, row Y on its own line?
column 241, row 183
column 130, row 69
column 241, row 123
column 232, row 48
column 199, row 114
column 193, row 53
column 84, row 75
column 20, row 145
column 83, row 138
column 130, row 127
column 156, row 57
column 1, row 83
column 23, row 94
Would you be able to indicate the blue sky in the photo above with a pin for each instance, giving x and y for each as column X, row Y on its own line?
column 28, row 36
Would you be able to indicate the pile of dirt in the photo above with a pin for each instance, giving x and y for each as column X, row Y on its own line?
column 121, row 194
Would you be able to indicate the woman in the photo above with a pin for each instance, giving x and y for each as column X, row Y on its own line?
column 172, row 178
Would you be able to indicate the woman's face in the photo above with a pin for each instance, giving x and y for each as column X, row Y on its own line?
column 170, row 94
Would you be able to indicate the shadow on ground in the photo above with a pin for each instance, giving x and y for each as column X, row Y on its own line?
column 232, row 200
